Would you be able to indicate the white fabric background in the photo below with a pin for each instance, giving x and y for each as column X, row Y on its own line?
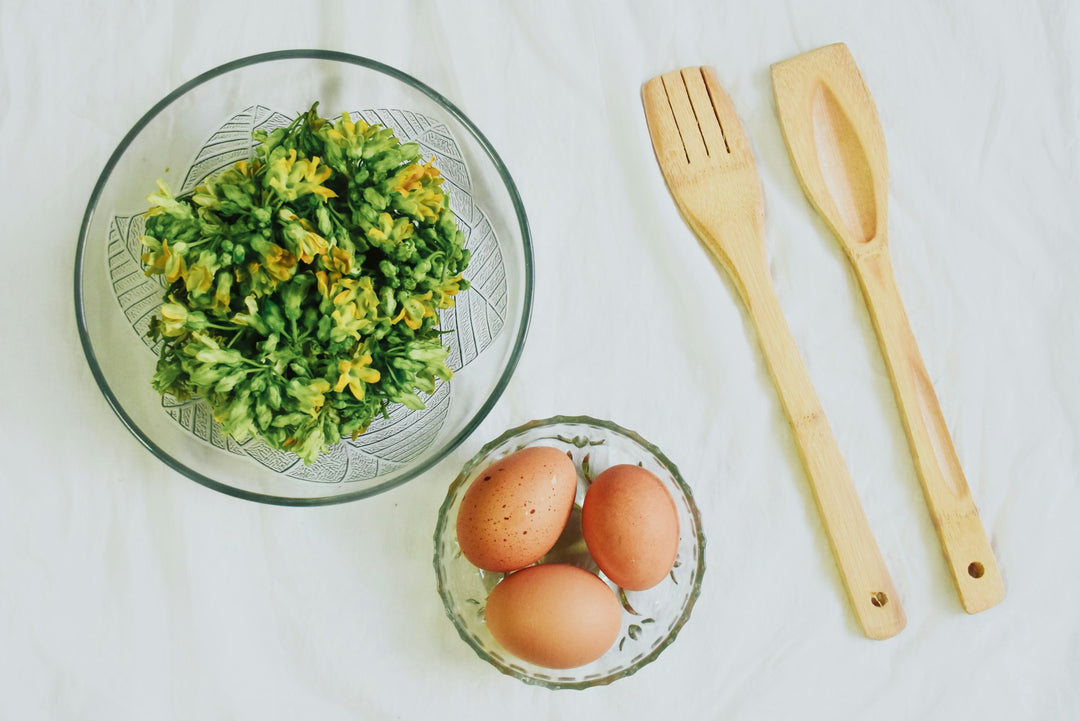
column 127, row 591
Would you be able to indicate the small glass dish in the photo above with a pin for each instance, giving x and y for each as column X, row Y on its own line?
column 651, row 619
column 206, row 125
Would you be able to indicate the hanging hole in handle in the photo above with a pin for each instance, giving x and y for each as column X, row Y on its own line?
column 879, row 599
column 976, row 570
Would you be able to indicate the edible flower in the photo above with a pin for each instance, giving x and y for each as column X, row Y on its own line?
column 355, row 374
column 292, row 177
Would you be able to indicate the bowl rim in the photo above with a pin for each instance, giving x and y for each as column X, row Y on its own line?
column 303, row 54
column 462, row 477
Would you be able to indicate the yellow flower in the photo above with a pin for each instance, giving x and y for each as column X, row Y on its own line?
column 153, row 258
column 161, row 260
column 292, row 177
column 414, row 310
column 347, row 134
column 389, row 231
column 366, row 299
column 356, row 309
column 416, row 176
column 174, row 320
column 419, row 193
column 346, row 324
column 279, row 263
column 164, row 202
column 328, row 284
column 205, row 196
column 261, row 282
column 222, row 295
column 198, row 280
column 356, row 373
column 345, row 291
column 246, row 169
column 309, row 396
column 312, row 244
column 323, row 282
column 352, row 290
column 303, row 236
column 340, row 261
column 172, row 264
column 447, row 291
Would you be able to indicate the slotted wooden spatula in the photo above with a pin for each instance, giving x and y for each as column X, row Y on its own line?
column 708, row 166
column 834, row 136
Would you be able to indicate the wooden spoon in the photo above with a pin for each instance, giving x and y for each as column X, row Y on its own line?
column 834, row 136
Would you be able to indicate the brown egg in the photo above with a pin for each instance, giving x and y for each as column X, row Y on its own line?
column 514, row 511
column 631, row 526
column 554, row 615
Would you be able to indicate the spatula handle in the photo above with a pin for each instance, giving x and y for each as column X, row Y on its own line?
column 960, row 530
column 866, row 578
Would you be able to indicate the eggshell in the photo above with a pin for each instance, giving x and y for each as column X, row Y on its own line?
column 631, row 526
column 554, row 615
column 514, row 511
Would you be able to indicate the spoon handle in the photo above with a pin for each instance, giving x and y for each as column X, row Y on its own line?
column 866, row 578
column 956, row 519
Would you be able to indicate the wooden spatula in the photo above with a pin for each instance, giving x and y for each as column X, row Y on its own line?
column 832, row 130
column 708, row 166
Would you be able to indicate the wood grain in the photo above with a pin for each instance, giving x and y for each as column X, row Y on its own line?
column 710, row 170
column 834, row 136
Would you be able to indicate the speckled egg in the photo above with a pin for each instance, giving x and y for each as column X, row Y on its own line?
column 515, row 510
column 631, row 526
column 554, row 615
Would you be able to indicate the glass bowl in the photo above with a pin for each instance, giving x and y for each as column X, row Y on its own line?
column 651, row 619
column 204, row 126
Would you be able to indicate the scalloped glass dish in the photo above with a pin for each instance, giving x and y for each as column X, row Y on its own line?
column 204, row 126
column 651, row 619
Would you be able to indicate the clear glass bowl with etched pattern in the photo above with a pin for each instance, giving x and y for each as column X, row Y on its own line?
column 204, row 126
column 651, row 619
